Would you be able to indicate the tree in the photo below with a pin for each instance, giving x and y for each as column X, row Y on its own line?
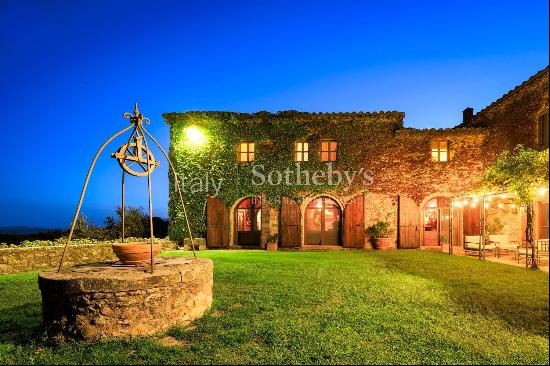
column 84, row 229
column 136, row 223
column 522, row 173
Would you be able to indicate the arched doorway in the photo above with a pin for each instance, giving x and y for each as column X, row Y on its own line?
column 436, row 221
column 248, row 219
column 323, row 222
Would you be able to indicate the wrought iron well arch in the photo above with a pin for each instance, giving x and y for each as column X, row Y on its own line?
column 135, row 151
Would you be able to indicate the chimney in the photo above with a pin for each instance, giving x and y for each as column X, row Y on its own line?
column 468, row 116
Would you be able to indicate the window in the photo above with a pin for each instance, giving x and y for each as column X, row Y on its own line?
column 245, row 152
column 543, row 130
column 328, row 150
column 440, row 150
column 301, row 151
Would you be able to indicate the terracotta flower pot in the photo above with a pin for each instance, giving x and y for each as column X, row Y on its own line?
column 135, row 253
column 381, row 243
column 272, row 246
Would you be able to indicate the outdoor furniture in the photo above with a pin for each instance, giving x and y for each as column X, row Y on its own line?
column 542, row 249
column 471, row 243
column 503, row 243
column 526, row 250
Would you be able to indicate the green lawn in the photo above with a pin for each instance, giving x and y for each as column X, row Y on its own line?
column 322, row 307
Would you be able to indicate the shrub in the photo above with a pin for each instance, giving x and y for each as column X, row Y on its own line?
column 382, row 229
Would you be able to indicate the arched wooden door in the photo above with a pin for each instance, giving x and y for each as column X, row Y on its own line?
column 354, row 224
column 322, row 222
column 217, row 222
column 248, row 220
column 290, row 217
column 408, row 233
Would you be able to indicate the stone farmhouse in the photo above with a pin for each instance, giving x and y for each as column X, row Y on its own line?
column 317, row 180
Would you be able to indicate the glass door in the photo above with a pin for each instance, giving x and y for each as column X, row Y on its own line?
column 323, row 222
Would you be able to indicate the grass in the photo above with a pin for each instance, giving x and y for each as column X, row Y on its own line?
column 322, row 307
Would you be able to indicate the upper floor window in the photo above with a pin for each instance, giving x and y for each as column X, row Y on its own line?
column 440, row 150
column 328, row 150
column 245, row 152
column 543, row 130
column 301, row 151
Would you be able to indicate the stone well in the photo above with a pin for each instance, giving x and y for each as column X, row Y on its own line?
column 110, row 300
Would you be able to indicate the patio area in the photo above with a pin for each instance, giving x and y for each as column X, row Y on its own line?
column 493, row 227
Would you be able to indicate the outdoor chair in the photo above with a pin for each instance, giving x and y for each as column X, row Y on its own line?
column 503, row 243
column 542, row 249
column 526, row 251
column 471, row 243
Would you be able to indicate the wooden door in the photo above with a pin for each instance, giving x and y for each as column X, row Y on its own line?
column 217, row 223
column 457, row 230
column 290, row 217
column 472, row 220
column 354, row 223
column 408, row 225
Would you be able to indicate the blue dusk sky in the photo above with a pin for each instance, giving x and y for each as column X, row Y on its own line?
column 69, row 69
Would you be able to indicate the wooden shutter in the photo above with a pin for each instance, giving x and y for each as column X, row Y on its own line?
column 290, row 233
column 408, row 226
column 217, row 222
column 354, row 223
column 471, row 220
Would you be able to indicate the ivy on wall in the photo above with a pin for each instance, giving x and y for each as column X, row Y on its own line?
column 358, row 135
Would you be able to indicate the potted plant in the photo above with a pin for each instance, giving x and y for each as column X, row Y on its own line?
column 135, row 252
column 272, row 242
column 379, row 234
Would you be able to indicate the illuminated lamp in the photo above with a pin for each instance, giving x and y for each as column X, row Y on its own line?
column 194, row 136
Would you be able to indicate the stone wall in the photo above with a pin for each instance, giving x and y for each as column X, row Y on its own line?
column 14, row 260
column 102, row 301
column 381, row 207
column 513, row 118
column 406, row 167
column 503, row 218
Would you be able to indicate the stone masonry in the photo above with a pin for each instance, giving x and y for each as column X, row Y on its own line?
column 14, row 260
column 105, row 300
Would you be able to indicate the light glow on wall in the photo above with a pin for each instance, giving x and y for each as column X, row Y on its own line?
column 194, row 136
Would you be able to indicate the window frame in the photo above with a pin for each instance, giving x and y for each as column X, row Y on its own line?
column 329, row 151
column 250, row 153
column 440, row 150
column 304, row 151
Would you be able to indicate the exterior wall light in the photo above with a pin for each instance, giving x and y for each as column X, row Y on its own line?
column 194, row 136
